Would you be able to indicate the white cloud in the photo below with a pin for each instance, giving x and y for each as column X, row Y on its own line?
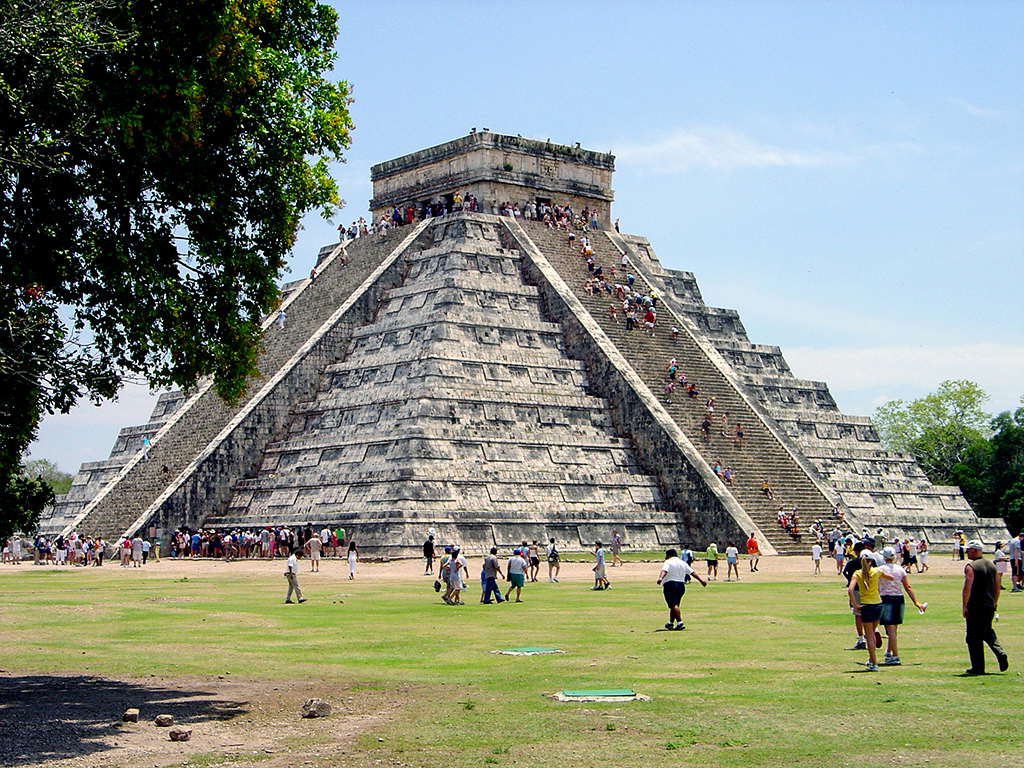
column 88, row 432
column 874, row 375
column 722, row 149
column 971, row 109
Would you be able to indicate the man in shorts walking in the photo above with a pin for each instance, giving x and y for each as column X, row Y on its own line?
column 616, row 548
column 673, row 576
column 600, row 580
column 516, row 575
column 753, row 551
column 554, row 562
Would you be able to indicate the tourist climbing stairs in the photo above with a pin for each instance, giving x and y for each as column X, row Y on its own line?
column 202, row 417
column 761, row 457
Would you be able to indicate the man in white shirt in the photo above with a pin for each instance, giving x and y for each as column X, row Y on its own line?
column 292, row 575
column 673, row 576
column 600, row 580
column 816, row 557
column 516, row 574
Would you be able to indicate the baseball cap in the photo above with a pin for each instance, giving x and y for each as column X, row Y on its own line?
column 889, row 553
column 975, row 544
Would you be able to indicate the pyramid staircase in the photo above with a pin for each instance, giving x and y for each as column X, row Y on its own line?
column 763, row 454
column 227, row 438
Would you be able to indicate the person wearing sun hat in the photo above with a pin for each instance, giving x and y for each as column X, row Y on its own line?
column 893, row 603
column 980, row 601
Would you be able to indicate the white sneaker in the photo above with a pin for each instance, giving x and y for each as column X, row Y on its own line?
column 871, row 667
column 892, row 661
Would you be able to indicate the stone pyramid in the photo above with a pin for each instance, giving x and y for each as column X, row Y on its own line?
column 457, row 374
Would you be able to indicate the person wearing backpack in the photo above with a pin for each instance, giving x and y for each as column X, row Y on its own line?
column 554, row 562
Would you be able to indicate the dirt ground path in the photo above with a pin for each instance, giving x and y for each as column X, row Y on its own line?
column 575, row 567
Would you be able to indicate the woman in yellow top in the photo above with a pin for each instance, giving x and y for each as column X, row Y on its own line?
column 869, row 608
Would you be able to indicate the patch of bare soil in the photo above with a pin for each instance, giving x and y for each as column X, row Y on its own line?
column 74, row 720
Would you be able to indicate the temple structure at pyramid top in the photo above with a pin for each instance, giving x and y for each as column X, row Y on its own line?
column 477, row 369
column 494, row 169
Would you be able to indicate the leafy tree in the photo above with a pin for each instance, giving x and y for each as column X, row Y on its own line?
column 939, row 429
column 156, row 158
column 1008, row 468
column 22, row 500
column 49, row 473
column 948, row 434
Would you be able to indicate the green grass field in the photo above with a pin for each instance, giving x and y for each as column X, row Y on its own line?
column 763, row 674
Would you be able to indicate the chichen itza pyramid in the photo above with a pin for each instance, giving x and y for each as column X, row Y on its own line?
column 455, row 374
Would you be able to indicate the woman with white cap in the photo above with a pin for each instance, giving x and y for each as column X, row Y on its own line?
column 865, row 580
column 893, row 603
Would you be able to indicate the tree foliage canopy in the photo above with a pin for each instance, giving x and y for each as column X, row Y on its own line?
column 155, row 161
column 937, row 429
column 49, row 473
column 957, row 443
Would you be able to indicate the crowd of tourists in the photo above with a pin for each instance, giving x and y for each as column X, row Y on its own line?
column 554, row 216
column 269, row 542
column 522, row 566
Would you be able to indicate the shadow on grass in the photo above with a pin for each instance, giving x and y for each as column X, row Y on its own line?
column 46, row 717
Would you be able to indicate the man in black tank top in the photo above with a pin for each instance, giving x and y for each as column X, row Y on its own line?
column 980, row 600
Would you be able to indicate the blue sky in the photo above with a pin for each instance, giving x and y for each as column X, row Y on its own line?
column 849, row 176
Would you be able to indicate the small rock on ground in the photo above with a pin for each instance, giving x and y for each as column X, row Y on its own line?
column 316, row 708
